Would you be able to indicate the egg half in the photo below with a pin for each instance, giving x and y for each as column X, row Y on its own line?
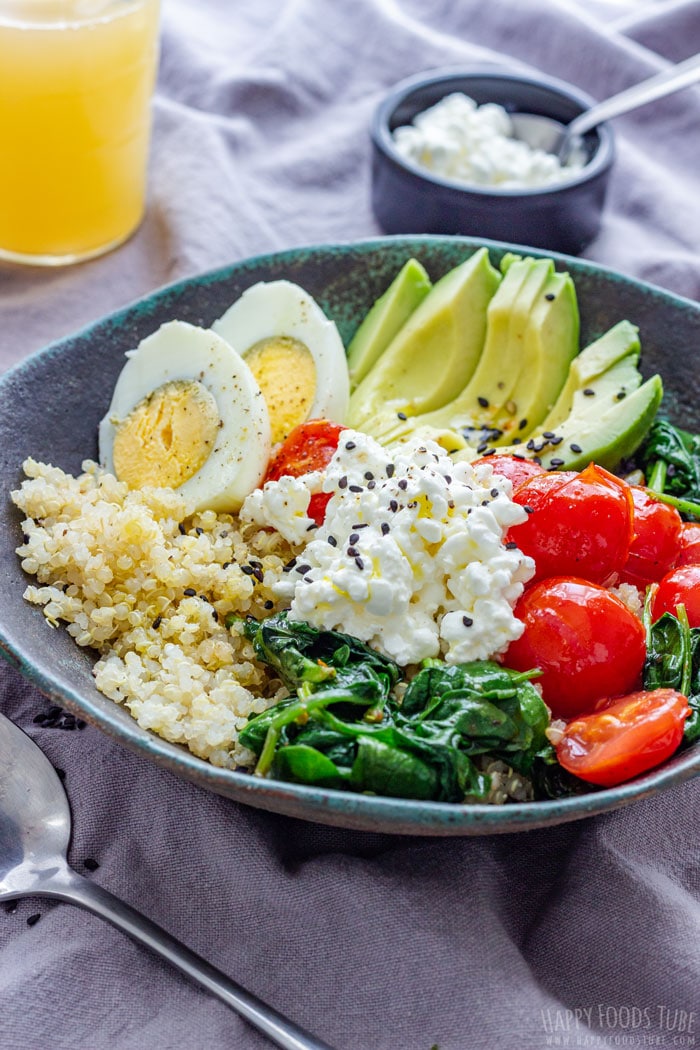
column 186, row 413
column 293, row 350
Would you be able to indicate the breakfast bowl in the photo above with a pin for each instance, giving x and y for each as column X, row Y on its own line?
column 345, row 280
column 407, row 197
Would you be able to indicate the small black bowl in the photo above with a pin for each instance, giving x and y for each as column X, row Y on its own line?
column 406, row 198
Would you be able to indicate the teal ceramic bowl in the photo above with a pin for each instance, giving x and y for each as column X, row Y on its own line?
column 50, row 406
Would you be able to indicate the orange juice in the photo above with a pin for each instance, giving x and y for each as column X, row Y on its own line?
column 76, row 78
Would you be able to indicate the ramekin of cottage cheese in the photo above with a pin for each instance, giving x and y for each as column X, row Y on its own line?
column 411, row 555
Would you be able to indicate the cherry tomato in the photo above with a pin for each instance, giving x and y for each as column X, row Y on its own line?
column 679, row 587
column 517, row 469
column 654, row 549
column 631, row 735
column 689, row 544
column 579, row 524
column 585, row 641
column 310, row 446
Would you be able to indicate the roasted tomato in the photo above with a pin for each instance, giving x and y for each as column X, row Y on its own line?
column 517, row 469
column 625, row 738
column 681, row 586
column 655, row 547
column 585, row 641
column 579, row 524
column 308, row 447
column 689, row 544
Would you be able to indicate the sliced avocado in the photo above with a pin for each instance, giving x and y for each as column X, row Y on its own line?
column 436, row 350
column 586, row 437
column 549, row 345
column 387, row 316
column 620, row 341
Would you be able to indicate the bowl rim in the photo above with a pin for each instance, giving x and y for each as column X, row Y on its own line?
column 600, row 162
column 327, row 805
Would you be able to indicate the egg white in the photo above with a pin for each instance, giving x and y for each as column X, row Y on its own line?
column 272, row 309
column 181, row 351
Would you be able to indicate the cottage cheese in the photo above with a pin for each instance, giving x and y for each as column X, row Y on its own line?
column 410, row 557
column 472, row 144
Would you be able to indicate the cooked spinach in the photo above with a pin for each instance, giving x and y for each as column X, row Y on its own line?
column 670, row 459
column 343, row 726
column 673, row 662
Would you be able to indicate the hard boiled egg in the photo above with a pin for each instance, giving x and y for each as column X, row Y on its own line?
column 186, row 413
column 294, row 352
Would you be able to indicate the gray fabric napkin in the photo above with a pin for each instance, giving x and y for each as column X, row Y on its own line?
column 582, row 935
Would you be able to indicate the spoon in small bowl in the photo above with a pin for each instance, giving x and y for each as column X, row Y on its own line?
column 34, row 833
column 560, row 139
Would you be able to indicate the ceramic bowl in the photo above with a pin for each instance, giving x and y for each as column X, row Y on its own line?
column 407, row 198
column 51, row 404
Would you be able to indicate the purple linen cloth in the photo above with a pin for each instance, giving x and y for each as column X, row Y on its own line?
column 582, row 935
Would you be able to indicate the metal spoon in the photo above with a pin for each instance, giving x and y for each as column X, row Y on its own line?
column 34, row 832
column 559, row 139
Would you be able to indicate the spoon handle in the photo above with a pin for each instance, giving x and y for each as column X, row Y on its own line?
column 67, row 885
column 665, row 83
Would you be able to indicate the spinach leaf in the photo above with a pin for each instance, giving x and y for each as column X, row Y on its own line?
column 673, row 662
column 670, row 459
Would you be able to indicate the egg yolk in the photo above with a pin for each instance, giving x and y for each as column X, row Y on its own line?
column 167, row 437
column 285, row 371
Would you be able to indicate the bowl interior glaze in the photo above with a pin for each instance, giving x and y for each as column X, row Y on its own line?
column 50, row 406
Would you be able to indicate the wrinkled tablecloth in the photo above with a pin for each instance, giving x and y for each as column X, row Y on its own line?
column 583, row 935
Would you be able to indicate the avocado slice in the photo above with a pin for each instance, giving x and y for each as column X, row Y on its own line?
column 532, row 335
column 618, row 343
column 434, row 353
column 550, row 343
column 386, row 317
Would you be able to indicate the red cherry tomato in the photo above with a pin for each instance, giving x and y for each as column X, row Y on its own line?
column 654, row 549
column 517, row 469
column 310, row 446
column 631, row 735
column 585, row 641
column 689, row 544
column 579, row 525
column 679, row 587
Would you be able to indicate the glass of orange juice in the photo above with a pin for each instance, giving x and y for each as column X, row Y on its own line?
column 76, row 78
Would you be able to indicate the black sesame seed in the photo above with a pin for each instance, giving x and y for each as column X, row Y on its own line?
column 390, row 470
column 621, row 395
column 549, row 296
column 548, row 434
column 511, row 545
column 467, row 621
column 495, row 493
column 311, row 527
column 401, row 415
column 517, row 455
column 483, row 401
column 247, row 569
column 332, row 541
column 227, row 565
column 258, row 574
column 157, row 622
column 528, row 509
column 190, row 592
column 556, row 462
column 354, row 488
column 32, row 920
column 369, row 475
column 301, row 569
column 522, row 424
column 359, row 562
column 482, row 447
column 343, row 482
column 352, row 552
column 393, row 506
column 371, row 484
column 91, row 864
column 530, row 445
column 350, row 445
column 403, row 484
column 268, row 604
column 385, row 528
column 361, row 525
column 537, row 460
column 199, row 530
column 448, row 479
column 517, row 441
column 588, row 392
column 182, row 529
column 556, row 440
column 215, row 615
column 575, row 448
column 353, row 538
column 490, row 452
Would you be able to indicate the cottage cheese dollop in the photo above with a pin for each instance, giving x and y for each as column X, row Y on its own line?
column 410, row 557
column 474, row 145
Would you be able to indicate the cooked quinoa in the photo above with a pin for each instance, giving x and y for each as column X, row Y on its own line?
column 147, row 584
